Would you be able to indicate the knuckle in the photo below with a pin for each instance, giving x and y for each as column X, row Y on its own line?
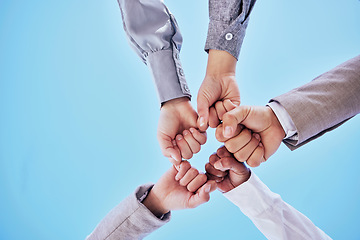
column 240, row 156
column 190, row 188
column 253, row 163
column 231, row 146
column 193, row 171
column 247, row 134
column 203, row 178
column 218, row 134
column 186, row 165
column 187, row 155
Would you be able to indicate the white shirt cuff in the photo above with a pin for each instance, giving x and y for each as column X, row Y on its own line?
column 284, row 119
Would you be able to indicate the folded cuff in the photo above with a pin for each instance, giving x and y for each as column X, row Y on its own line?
column 168, row 74
column 225, row 37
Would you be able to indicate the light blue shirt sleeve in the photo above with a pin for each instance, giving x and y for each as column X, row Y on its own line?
column 154, row 34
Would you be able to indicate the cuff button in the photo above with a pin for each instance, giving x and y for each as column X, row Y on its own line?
column 228, row 36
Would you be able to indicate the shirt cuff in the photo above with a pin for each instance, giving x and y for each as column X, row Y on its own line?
column 168, row 74
column 141, row 193
column 253, row 197
column 284, row 119
column 225, row 37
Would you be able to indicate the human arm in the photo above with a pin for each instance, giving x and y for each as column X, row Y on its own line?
column 226, row 31
column 299, row 116
column 149, row 207
column 260, row 121
column 323, row 104
column 154, row 34
column 271, row 215
column 177, row 133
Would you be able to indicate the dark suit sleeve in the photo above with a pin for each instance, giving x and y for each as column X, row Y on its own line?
column 323, row 104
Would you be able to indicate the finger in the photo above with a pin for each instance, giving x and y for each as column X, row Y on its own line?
column 232, row 118
column 239, row 141
column 243, row 154
column 184, row 147
column 191, row 141
column 213, row 158
column 213, row 118
column 257, row 157
column 220, row 109
column 211, row 170
column 203, row 106
column 189, row 176
column 202, row 195
column 196, row 183
column 214, row 178
column 183, row 168
column 220, row 129
column 223, row 152
column 199, row 136
column 230, row 163
column 169, row 149
column 229, row 105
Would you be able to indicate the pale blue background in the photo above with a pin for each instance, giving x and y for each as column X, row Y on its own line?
column 78, row 116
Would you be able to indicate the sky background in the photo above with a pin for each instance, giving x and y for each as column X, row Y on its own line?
column 79, row 112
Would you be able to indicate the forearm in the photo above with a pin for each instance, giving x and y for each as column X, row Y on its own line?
column 155, row 36
column 129, row 220
column 324, row 103
column 271, row 215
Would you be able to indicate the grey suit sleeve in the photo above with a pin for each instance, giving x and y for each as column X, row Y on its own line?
column 228, row 23
column 323, row 104
column 154, row 34
column 129, row 220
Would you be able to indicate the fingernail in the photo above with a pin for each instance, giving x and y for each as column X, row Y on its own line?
column 260, row 144
column 179, row 137
column 202, row 121
column 227, row 132
column 218, row 165
column 257, row 136
column 207, row 188
column 173, row 143
column 186, row 132
column 191, row 130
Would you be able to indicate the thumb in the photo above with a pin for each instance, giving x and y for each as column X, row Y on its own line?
column 229, row 105
column 174, row 155
column 230, row 163
column 203, row 106
column 203, row 194
column 232, row 118
column 170, row 150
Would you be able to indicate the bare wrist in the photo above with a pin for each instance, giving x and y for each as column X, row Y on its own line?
column 175, row 101
column 220, row 63
column 153, row 203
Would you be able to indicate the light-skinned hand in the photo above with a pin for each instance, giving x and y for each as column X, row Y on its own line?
column 226, row 170
column 261, row 124
column 181, row 187
column 177, row 133
column 219, row 84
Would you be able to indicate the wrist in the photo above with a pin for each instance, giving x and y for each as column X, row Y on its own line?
column 175, row 101
column 220, row 63
column 244, row 178
column 275, row 122
column 153, row 203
